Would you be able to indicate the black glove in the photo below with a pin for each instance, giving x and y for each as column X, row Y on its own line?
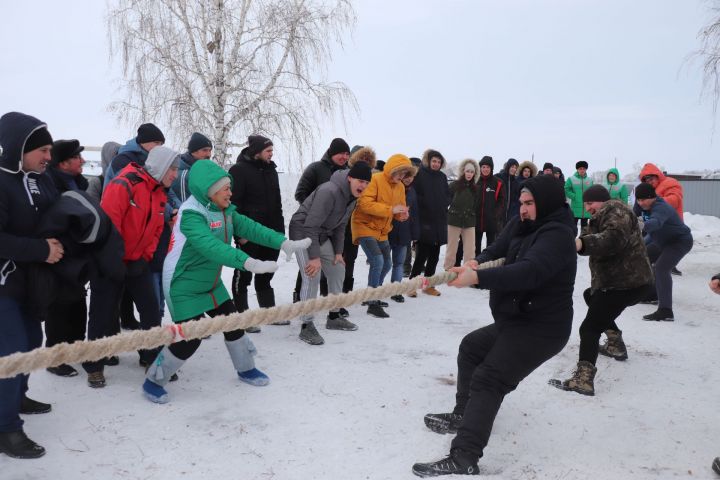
column 136, row 268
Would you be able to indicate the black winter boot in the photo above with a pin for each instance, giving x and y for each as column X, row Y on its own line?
column 18, row 445
column 459, row 462
column 661, row 315
column 443, row 422
column 266, row 299
column 28, row 406
column 716, row 465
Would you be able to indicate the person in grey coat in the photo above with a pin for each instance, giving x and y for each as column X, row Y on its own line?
column 322, row 217
column 95, row 184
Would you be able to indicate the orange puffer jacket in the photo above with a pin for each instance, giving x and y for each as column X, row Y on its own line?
column 373, row 214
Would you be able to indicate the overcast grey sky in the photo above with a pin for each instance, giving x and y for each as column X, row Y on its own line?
column 563, row 79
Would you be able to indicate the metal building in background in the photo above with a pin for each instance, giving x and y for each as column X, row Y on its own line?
column 700, row 195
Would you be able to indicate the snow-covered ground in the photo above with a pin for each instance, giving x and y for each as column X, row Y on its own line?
column 353, row 408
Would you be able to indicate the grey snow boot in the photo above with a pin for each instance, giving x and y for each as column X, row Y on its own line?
column 159, row 374
column 310, row 335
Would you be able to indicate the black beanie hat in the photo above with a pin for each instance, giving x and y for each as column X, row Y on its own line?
column 338, row 145
column 64, row 150
column 548, row 192
column 39, row 138
column 511, row 162
column 256, row 144
column 581, row 164
column 547, row 165
column 380, row 165
column 487, row 160
column 198, row 141
column 147, row 132
column 361, row 171
column 645, row 191
column 596, row 193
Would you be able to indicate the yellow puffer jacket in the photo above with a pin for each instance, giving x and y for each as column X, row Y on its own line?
column 373, row 213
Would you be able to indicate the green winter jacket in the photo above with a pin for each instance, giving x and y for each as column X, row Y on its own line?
column 618, row 191
column 200, row 246
column 463, row 211
column 575, row 186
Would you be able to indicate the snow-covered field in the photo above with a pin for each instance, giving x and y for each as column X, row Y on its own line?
column 353, row 408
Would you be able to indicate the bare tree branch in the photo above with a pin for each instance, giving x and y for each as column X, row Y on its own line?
column 229, row 68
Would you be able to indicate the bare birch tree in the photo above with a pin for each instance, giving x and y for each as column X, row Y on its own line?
column 229, row 68
column 709, row 52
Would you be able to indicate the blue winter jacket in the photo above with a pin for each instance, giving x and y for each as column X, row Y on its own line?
column 24, row 197
column 403, row 233
column 663, row 225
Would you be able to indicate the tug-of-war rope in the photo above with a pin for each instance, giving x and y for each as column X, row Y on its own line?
column 94, row 350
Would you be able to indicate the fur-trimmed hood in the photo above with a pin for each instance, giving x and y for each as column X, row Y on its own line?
column 428, row 154
column 396, row 164
column 527, row 163
column 461, row 169
column 364, row 154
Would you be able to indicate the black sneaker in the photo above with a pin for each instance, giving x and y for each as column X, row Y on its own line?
column 378, row 302
column 63, row 370
column 28, row 406
column 343, row 313
column 112, row 361
column 716, row 465
column 398, row 298
column 376, row 310
column 661, row 315
column 457, row 463
column 443, row 422
column 675, row 271
column 18, row 445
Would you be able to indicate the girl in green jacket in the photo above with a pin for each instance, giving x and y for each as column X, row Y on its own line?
column 618, row 191
column 199, row 248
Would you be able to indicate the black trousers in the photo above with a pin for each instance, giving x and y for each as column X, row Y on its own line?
column 350, row 253
column 489, row 236
column 104, row 300
column 491, row 364
column 426, row 259
column 66, row 319
column 186, row 348
column 243, row 278
column 603, row 308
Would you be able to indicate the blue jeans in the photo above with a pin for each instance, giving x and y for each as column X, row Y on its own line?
column 18, row 333
column 378, row 254
column 398, row 260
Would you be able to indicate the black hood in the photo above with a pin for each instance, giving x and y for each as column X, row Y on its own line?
column 548, row 192
column 15, row 128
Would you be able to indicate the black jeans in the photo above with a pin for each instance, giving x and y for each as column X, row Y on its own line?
column 66, row 319
column 185, row 349
column 491, row 364
column 242, row 278
column 104, row 300
column 489, row 235
column 603, row 308
column 350, row 253
column 426, row 259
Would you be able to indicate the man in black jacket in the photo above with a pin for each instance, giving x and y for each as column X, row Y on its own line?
column 67, row 316
column 531, row 303
column 256, row 193
column 335, row 158
column 25, row 194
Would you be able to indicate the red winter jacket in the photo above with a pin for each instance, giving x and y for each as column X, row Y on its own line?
column 135, row 202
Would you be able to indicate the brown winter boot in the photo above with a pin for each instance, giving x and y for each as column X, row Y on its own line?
column 582, row 379
column 614, row 346
column 431, row 291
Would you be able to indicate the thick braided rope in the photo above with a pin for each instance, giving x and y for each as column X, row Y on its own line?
column 94, row 350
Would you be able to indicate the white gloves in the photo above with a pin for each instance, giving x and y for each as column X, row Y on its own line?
column 292, row 246
column 260, row 266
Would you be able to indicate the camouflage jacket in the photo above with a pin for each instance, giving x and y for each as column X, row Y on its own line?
column 618, row 259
